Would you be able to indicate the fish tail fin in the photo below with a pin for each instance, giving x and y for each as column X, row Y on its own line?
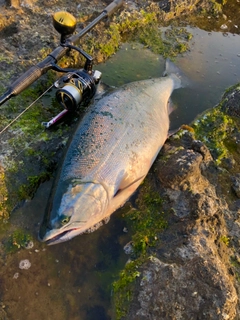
column 171, row 70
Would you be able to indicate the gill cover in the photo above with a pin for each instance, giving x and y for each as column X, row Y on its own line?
column 72, row 210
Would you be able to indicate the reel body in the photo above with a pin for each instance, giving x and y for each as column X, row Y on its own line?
column 73, row 90
column 76, row 88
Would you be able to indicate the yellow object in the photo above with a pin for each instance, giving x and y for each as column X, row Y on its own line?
column 64, row 22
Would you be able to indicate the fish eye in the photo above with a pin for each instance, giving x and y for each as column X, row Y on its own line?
column 65, row 220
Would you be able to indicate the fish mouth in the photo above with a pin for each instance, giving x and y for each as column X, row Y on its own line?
column 61, row 237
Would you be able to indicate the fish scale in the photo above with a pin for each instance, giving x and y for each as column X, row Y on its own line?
column 110, row 153
column 85, row 161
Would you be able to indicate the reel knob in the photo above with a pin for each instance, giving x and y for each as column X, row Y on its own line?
column 64, row 23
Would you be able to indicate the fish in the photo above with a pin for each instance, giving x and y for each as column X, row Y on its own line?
column 110, row 154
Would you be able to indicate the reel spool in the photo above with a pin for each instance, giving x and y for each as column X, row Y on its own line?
column 76, row 88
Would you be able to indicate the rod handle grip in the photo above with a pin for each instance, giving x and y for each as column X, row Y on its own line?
column 25, row 80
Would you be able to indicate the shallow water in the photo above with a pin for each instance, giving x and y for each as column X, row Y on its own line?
column 67, row 281
column 211, row 66
column 73, row 280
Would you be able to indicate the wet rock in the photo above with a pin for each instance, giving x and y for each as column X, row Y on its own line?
column 231, row 103
column 128, row 248
column 165, row 5
column 201, row 148
column 24, row 264
column 13, row 3
column 191, row 275
column 177, row 290
column 236, row 184
column 180, row 167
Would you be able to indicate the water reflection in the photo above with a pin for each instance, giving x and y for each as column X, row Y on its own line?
column 212, row 65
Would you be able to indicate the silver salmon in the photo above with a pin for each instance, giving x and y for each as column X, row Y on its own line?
column 111, row 152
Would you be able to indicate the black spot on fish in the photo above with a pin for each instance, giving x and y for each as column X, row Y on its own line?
column 107, row 113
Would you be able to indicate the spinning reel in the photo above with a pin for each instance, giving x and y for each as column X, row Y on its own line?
column 76, row 87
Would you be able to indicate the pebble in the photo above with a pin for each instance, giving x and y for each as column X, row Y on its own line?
column 224, row 26
column 24, row 264
column 128, row 248
column 29, row 244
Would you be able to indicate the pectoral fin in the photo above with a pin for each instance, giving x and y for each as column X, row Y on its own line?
column 126, row 189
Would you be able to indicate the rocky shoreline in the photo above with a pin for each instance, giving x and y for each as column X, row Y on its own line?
column 192, row 273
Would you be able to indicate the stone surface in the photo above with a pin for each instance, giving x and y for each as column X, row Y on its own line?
column 191, row 274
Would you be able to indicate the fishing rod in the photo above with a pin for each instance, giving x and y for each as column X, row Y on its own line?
column 76, row 86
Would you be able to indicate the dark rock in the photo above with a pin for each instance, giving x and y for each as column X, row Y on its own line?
column 165, row 5
column 182, row 165
column 236, row 184
column 13, row 3
column 190, row 276
column 9, row 30
column 197, row 289
column 231, row 102
column 200, row 147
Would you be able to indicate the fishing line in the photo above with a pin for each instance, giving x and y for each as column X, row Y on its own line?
column 15, row 119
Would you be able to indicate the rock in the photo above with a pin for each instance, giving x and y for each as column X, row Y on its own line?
column 236, row 184
column 13, row 3
column 191, row 275
column 177, row 290
column 201, row 148
column 165, row 5
column 231, row 100
column 181, row 166
column 128, row 248
column 224, row 27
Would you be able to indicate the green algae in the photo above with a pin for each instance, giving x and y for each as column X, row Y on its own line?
column 17, row 240
column 123, row 288
column 214, row 129
column 4, row 209
column 146, row 223
column 27, row 190
column 142, row 26
column 224, row 239
column 27, row 164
